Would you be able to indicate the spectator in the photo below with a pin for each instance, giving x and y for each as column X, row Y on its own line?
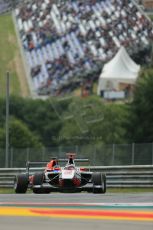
column 69, row 39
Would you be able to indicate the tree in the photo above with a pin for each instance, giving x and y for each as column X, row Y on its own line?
column 2, row 138
column 2, row 112
column 39, row 116
column 94, row 122
column 21, row 136
column 140, row 125
column 110, row 129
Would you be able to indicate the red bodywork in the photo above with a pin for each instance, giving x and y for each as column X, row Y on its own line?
column 52, row 165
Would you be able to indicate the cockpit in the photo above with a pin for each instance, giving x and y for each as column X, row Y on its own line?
column 69, row 167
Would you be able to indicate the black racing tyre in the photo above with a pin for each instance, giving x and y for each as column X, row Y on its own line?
column 21, row 182
column 38, row 180
column 104, row 183
column 99, row 179
column 46, row 191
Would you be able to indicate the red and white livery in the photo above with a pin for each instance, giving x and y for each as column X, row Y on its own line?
column 62, row 179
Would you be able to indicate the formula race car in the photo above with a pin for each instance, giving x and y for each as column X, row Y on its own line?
column 62, row 179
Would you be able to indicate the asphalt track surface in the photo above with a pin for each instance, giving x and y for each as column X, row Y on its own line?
column 79, row 197
column 77, row 211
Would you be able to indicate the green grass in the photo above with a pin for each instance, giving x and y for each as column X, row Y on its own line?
column 129, row 190
column 109, row 190
column 8, row 50
column 10, row 191
column 6, row 190
column 151, row 16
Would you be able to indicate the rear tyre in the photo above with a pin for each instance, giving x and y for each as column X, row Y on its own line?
column 21, row 182
column 38, row 180
column 99, row 182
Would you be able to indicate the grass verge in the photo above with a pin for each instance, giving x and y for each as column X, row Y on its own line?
column 10, row 59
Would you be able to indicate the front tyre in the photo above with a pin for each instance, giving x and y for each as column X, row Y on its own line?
column 38, row 181
column 103, row 183
column 99, row 182
column 21, row 182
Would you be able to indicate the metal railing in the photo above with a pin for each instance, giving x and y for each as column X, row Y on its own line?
column 99, row 155
column 117, row 176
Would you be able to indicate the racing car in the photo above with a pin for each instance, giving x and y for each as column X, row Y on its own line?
column 61, row 179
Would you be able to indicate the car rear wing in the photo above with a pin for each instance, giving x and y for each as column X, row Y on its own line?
column 75, row 160
column 29, row 164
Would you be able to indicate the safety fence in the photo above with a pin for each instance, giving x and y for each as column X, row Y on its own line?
column 99, row 155
column 117, row 176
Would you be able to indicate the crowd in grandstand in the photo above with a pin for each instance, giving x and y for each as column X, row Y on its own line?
column 5, row 5
column 9, row 5
column 65, row 41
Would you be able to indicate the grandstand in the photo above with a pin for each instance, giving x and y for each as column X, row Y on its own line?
column 8, row 5
column 66, row 42
column 5, row 5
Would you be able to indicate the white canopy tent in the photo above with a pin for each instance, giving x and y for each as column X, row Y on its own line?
column 120, row 71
